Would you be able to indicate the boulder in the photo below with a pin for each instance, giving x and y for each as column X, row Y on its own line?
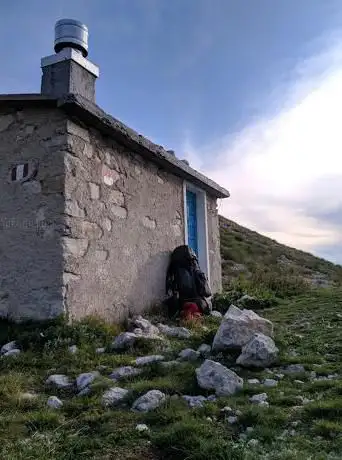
column 59, row 381
column 270, row 383
column 124, row 372
column 114, row 396
column 84, row 380
column 238, row 327
column 260, row 351
column 149, row 401
column 174, row 331
column 188, row 354
column 213, row 376
column 259, row 398
column 146, row 360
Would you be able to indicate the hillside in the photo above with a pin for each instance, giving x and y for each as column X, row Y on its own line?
column 246, row 253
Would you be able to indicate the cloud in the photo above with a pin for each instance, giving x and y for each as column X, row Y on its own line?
column 284, row 171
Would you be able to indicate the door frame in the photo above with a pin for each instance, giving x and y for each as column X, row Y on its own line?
column 202, row 225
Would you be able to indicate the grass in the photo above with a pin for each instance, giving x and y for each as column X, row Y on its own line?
column 308, row 324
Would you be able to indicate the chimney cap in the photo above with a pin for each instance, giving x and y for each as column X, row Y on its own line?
column 70, row 33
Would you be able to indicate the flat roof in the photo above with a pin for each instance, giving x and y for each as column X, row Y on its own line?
column 77, row 106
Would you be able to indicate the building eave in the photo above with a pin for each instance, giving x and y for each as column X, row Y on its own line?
column 92, row 115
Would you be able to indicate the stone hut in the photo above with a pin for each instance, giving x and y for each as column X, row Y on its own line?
column 90, row 210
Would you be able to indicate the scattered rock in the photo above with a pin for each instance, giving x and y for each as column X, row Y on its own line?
column 204, row 350
column 149, row 401
column 299, row 382
column 54, row 403
column 238, row 327
column 243, row 437
column 227, row 409
column 260, row 351
column 195, row 401
column 216, row 314
column 253, row 443
column 232, row 419
column 114, row 396
column 213, row 376
column 84, row 380
column 141, row 427
column 146, row 326
column 279, row 376
column 209, row 419
column 124, row 340
column 253, row 381
column 100, row 350
column 238, row 413
column 270, row 383
column 85, row 392
column 178, row 332
column 188, row 355
column 258, row 398
column 296, row 423
column 294, row 369
column 59, row 381
column 145, row 360
column 8, row 347
column 249, row 429
column 125, row 372
column 264, row 403
column 13, row 352
column 28, row 396
column 73, row 349
column 170, row 363
column 211, row 398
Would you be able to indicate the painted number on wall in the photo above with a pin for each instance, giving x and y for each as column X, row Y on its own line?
column 23, row 172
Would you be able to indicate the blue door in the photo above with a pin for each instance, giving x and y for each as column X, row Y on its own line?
column 192, row 220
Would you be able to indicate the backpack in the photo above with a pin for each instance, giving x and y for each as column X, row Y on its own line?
column 184, row 278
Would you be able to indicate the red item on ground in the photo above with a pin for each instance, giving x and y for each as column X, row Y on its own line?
column 190, row 311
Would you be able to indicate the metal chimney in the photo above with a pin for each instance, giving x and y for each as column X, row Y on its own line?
column 69, row 71
column 71, row 34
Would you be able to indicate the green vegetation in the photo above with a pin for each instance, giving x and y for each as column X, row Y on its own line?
column 303, row 421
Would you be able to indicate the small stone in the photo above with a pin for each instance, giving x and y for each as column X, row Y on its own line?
column 227, row 409
column 232, row 419
column 214, row 376
column 177, row 332
column 13, row 352
column 84, row 380
column 73, row 349
column 141, row 427
column 258, row 398
column 100, row 350
column 299, row 382
column 270, row 383
column 279, row 376
column 8, row 346
column 59, row 381
column 54, row 403
column 28, row 396
column 114, row 397
column 125, row 372
column 209, row 419
column 204, row 350
column 238, row 413
column 149, row 401
column 146, row 360
column 212, row 398
column 295, row 369
column 243, row 437
column 188, row 355
column 124, row 340
column 253, row 443
column 253, row 381
column 296, row 423
column 195, row 401
column 249, row 429
column 216, row 314
column 170, row 363
column 85, row 392
column 260, row 351
column 119, row 211
column 264, row 403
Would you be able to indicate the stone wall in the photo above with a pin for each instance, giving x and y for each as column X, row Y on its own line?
column 31, row 213
column 125, row 216
column 214, row 245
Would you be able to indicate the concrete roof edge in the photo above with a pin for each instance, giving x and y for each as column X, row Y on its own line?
column 89, row 112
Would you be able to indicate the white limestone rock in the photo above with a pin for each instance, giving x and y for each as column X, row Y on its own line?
column 85, row 379
column 174, row 331
column 188, row 354
column 54, row 403
column 59, row 381
column 114, row 396
column 125, row 372
column 149, row 401
column 213, row 376
column 238, row 327
column 260, row 351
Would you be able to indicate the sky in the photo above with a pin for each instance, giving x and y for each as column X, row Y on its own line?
column 249, row 91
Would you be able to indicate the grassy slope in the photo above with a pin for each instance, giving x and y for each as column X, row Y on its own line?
column 256, row 252
column 310, row 324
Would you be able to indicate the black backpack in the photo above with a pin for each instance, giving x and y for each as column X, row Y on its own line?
column 184, row 277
